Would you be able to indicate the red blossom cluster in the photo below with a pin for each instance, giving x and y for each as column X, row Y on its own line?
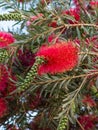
column 6, row 87
column 60, row 57
column 53, row 24
column 6, row 39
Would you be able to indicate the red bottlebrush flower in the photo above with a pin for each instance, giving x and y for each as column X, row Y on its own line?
column 3, row 107
column 53, row 24
column 26, row 58
column 89, row 101
column 6, row 39
column 59, row 57
column 87, row 122
column 74, row 13
column 3, row 78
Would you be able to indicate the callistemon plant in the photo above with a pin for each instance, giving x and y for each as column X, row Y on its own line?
column 49, row 66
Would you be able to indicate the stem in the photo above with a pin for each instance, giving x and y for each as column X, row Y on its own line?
column 80, row 124
column 78, row 90
column 89, row 53
column 81, row 24
column 65, row 78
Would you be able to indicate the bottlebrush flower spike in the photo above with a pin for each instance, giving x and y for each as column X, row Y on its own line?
column 6, row 39
column 60, row 57
column 3, row 107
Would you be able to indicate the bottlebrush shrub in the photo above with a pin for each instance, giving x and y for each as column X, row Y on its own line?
column 54, row 62
column 60, row 57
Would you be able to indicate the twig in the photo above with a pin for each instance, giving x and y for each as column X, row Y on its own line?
column 81, row 24
column 80, row 125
